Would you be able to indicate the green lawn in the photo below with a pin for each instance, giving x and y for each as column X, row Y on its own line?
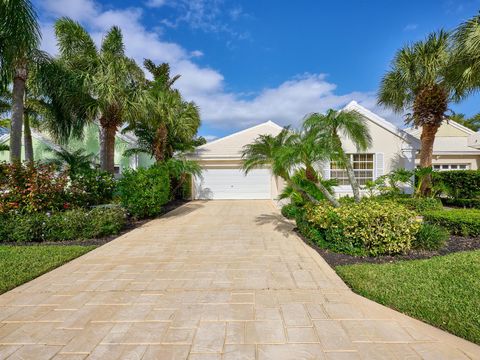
column 443, row 291
column 19, row 264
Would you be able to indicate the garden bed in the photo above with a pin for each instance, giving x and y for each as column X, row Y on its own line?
column 453, row 245
column 130, row 225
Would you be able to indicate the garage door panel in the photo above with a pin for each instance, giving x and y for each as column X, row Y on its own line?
column 233, row 184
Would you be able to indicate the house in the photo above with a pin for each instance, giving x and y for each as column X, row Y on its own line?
column 456, row 147
column 223, row 178
column 90, row 143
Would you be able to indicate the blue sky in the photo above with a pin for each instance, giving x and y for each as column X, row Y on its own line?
column 245, row 62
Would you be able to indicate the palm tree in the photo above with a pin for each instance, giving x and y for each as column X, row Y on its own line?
column 473, row 123
column 268, row 150
column 329, row 127
column 19, row 39
column 466, row 56
column 166, row 123
column 75, row 162
column 419, row 80
column 306, row 149
column 111, row 79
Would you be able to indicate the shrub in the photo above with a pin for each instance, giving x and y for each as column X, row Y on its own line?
column 462, row 184
column 289, row 211
column 462, row 203
column 420, row 205
column 430, row 237
column 32, row 187
column 143, row 192
column 62, row 226
column 92, row 187
column 369, row 227
column 464, row 222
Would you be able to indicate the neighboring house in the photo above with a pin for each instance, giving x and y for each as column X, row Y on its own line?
column 223, row 178
column 456, row 147
column 89, row 143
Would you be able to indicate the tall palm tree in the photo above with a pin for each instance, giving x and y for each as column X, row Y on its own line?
column 111, row 79
column 166, row 123
column 466, row 56
column 19, row 39
column 330, row 127
column 419, row 81
column 268, row 150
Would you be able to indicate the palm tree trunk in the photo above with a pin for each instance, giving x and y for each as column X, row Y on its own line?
column 312, row 176
column 161, row 143
column 18, row 105
column 107, row 146
column 352, row 179
column 426, row 154
column 27, row 138
column 327, row 194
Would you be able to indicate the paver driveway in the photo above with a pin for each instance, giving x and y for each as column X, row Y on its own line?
column 211, row 280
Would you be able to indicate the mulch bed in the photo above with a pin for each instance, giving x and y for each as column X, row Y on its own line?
column 131, row 224
column 454, row 244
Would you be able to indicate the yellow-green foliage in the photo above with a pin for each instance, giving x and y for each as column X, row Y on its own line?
column 366, row 228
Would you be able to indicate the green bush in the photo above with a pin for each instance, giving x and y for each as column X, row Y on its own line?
column 92, row 187
column 430, row 237
column 420, row 205
column 369, row 227
column 460, row 184
column 143, row 192
column 462, row 203
column 465, row 222
column 61, row 226
column 289, row 211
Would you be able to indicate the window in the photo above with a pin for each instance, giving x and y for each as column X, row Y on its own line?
column 362, row 167
column 448, row 167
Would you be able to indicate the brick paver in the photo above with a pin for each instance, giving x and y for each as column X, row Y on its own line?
column 211, row 280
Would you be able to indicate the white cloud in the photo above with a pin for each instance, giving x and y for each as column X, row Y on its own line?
column 286, row 103
column 410, row 27
column 155, row 3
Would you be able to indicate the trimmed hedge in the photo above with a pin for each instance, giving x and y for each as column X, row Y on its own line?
column 420, row 205
column 465, row 222
column 462, row 203
column 461, row 184
column 61, row 226
column 143, row 192
column 367, row 228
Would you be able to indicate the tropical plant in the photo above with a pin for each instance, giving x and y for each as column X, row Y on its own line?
column 4, row 147
column 111, row 80
column 473, row 123
column 180, row 168
column 328, row 129
column 419, row 81
column 75, row 162
column 268, row 150
column 165, row 123
column 465, row 72
column 19, row 39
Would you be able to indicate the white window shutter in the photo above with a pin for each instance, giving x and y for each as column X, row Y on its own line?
column 326, row 170
column 379, row 168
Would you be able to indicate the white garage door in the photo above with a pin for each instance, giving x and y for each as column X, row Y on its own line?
column 233, row 184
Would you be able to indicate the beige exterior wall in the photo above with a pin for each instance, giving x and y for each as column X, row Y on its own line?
column 473, row 161
column 452, row 146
